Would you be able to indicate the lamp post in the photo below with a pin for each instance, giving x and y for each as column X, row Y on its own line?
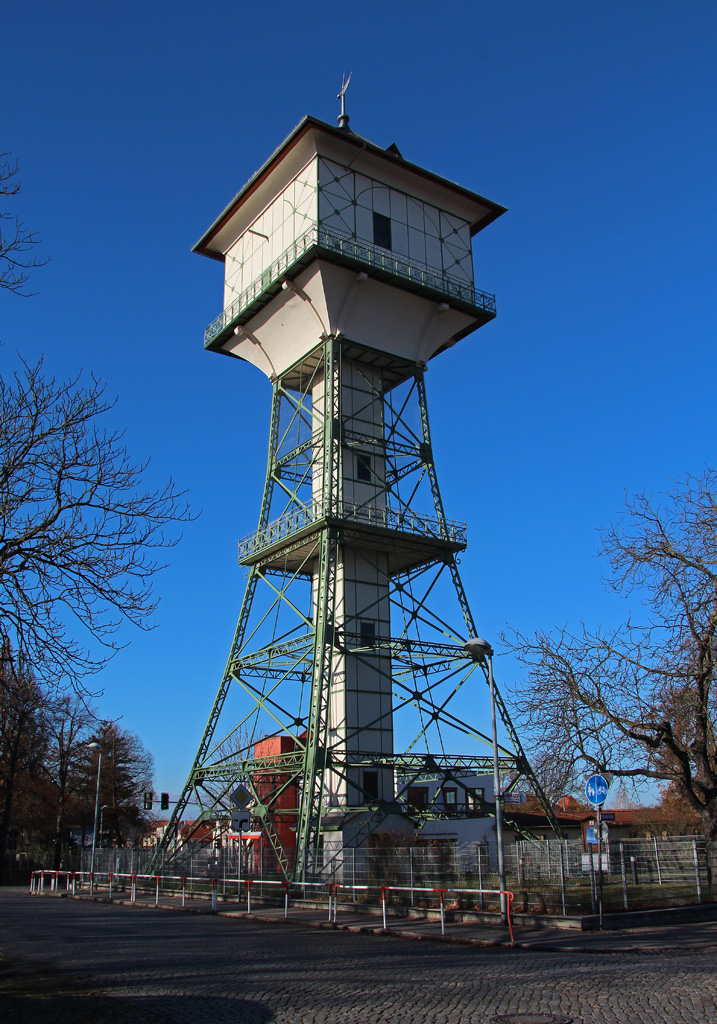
column 480, row 650
column 96, row 748
column 103, row 808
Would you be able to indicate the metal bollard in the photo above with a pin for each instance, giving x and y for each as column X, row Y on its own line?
column 698, row 877
column 133, row 890
column 633, row 869
column 214, row 894
column 184, row 890
column 593, row 885
column 657, row 861
column 624, row 877
column 480, row 878
column 562, row 880
column 156, row 893
column 286, row 899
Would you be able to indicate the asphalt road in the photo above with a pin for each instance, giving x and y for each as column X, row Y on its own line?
column 76, row 961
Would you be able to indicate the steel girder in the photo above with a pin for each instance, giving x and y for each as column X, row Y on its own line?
column 291, row 637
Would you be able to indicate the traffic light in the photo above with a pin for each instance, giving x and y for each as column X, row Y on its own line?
column 164, row 801
column 148, row 801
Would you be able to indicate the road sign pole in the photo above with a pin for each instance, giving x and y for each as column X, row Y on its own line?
column 599, row 827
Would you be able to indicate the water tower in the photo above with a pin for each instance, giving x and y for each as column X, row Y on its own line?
column 346, row 270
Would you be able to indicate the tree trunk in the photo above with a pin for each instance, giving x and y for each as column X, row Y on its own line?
column 709, row 826
column 59, row 828
column 4, row 830
column 13, row 757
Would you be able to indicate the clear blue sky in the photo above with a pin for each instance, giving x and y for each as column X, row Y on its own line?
column 135, row 124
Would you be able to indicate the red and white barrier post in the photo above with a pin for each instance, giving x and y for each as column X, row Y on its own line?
column 441, row 894
column 383, row 889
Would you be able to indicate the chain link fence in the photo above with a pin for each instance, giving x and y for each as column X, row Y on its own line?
column 547, row 877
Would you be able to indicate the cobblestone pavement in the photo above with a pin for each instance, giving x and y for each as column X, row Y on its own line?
column 76, row 961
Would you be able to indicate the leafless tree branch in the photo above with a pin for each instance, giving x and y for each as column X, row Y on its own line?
column 17, row 242
column 639, row 700
column 78, row 532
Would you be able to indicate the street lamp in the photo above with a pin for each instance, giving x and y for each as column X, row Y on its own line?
column 95, row 747
column 480, row 650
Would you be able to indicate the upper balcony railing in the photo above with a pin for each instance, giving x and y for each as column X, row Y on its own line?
column 381, row 516
column 345, row 246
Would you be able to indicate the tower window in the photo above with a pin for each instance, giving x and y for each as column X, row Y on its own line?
column 363, row 467
column 370, row 785
column 368, row 632
column 382, row 230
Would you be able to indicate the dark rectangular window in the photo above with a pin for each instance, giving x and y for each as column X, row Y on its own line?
column 368, row 631
column 450, row 799
column 382, row 230
column 363, row 467
column 370, row 785
column 418, row 797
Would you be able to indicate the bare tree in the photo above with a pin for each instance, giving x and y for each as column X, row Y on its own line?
column 23, row 736
column 77, row 528
column 639, row 700
column 17, row 242
column 69, row 724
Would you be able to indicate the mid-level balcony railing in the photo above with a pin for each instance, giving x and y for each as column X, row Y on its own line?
column 380, row 516
column 345, row 246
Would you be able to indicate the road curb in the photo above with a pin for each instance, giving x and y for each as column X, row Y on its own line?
column 360, row 929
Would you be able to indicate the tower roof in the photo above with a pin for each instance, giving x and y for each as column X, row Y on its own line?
column 213, row 242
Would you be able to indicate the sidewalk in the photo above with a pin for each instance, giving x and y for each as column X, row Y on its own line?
column 691, row 936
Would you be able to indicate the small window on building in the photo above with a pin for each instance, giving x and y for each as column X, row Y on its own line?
column 368, row 631
column 363, row 467
column 418, row 797
column 450, row 799
column 370, row 785
column 382, row 230
column 474, row 798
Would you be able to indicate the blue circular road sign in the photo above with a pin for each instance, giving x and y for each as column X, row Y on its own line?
column 596, row 789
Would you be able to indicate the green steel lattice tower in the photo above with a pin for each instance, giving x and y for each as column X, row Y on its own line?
column 347, row 269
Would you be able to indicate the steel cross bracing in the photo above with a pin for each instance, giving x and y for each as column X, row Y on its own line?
column 351, row 479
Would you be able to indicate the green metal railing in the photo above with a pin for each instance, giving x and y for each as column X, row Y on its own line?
column 344, row 245
column 381, row 516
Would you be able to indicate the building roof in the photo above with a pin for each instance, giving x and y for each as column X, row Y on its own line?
column 391, row 154
column 572, row 818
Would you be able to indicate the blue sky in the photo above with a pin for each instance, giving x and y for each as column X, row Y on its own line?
column 134, row 125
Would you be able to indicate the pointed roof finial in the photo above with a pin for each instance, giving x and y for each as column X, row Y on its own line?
column 343, row 117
